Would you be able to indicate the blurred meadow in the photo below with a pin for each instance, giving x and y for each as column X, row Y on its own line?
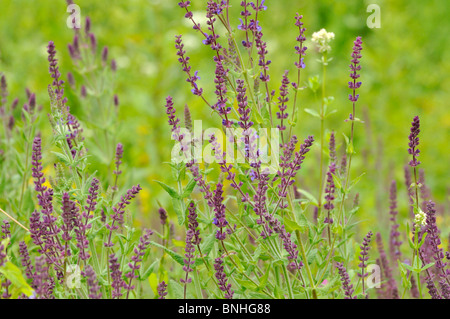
column 405, row 68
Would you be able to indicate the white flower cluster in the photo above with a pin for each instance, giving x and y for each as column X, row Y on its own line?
column 323, row 38
column 420, row 218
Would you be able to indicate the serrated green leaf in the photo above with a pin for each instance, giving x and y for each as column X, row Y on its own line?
column 189, row 188
column 176, row 257
column 146, row 273
column 170, row 190
column 246, row 284
column 208, row 244
column 263, row 280
column 179, row 211
column 292, row 225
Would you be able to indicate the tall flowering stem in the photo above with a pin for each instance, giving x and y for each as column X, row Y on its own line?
column 433, row 234
column 26, row 261
column 92, row 283
column 54, row 71
column 44, row 232
column 244, row 111
column 394, row 242
column 135, row 264
column 184, row 60
column 329, row 198
column 188, row 260
column 346, row 285
column 119, row 211
column 364, row 258
column 117, row 171
column 294, row 167
column 392, row 290
column 300, row 49
column 355, row 67
column 282, row 104
column 414, row 152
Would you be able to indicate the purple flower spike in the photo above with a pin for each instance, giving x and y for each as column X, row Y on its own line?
column 162, row 286
column 70, row 221
column 355, row 67
column 6, row 229
column 364, row 258
column 92, row 283
column 116, row 275
column 119, row 156
column 392, row 290
column 300, row 49
column 414, row 142
column 193, row 224
column 394, row 242
column 219, row 208
column 222, row 278
column 135, row 264
column 348, row 288
column 119, row 211
column 2, row 255
column 329, row 190
column 438, row 253
column 54, row 71
column 184, row 60
column 282, row 101
column 162, row 215
column 105, row 55
column 26, row 261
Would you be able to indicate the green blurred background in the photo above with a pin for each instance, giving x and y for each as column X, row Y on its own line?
column 405, row 71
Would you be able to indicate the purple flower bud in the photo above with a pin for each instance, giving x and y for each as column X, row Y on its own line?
column 113, row 65
column 105, row 54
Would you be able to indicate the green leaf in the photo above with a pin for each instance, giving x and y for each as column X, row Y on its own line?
column 312, row 112
column 208, row 244
column 427, row 266
column 13, row 273
column 292, row 226
column 246, row 284
column 179, row 211
column 424, row 236
column 145, row 274
column 308, row 195
column 153, row 280
column 337, row 181
column 355, row 181
column 265, row 277
column 176, row 257
column 176, row 290
column 189, row 188
column 170, row 190
column 63, row 158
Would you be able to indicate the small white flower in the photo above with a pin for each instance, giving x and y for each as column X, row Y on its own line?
column 323, row 38
column 420, row 218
